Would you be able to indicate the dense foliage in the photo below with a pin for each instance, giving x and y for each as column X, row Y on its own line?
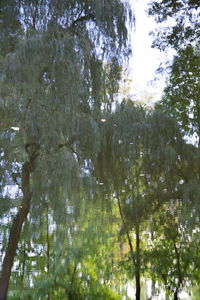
column 182, row 93
column 182, row 26
column 97, row 196
column 180, row 30
column 181, row 99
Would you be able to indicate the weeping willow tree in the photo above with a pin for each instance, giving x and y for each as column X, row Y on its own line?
column 52, row 87
column 64, row 149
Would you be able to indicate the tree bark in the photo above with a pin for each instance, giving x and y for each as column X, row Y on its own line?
column 198, row 119
column 16, row 228
column 137, row 263
column 135, row 260
column 179, row 271
column 48, row 241
column 127, row 231
column 176, row 295
column 48, row 248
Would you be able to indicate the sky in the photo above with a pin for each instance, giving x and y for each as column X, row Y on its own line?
column 145, row 60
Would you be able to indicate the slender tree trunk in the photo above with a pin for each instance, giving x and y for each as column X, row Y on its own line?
column 197, row 116
column 135, row 260
column 48, row 241
column 48, row 247
column 23, row 264
column 137, row 232
column 137, row 263
column 179, row 271
column 16, row 228
column 127, row 232
column 176, row 295
column 71, row 292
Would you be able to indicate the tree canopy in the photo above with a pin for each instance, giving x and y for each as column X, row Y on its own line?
column 96, row 191
column 182, row 26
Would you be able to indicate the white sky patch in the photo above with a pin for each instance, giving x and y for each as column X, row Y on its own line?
column 15, row 128
column 145, row 60
column 12, row 191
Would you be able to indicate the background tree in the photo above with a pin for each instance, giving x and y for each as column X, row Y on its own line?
column 181, row 95
column 176, row 245
column 184, row 28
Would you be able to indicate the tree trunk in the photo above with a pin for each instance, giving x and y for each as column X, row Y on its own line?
column 176, row 295
column 16, row 228
column 197, row 113
column 137, row 263
column 48, row 241
column 135, row 260
column 127, row 231
column 179, row 272
column 22, row 266
column 48, row 248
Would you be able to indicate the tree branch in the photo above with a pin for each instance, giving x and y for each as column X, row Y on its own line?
column 89, row 16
